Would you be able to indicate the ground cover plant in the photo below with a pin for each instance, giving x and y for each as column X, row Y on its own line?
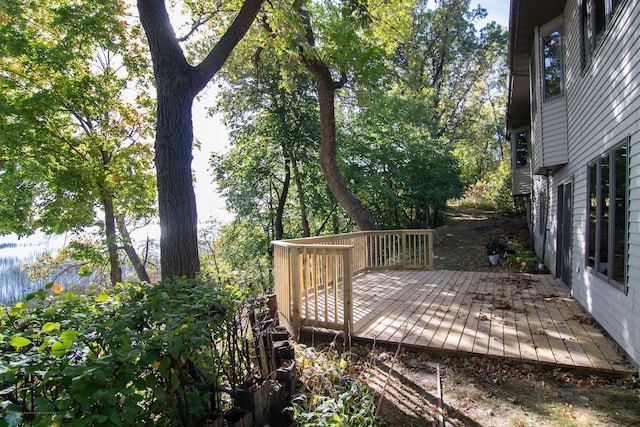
column 165, row 354
column 333, row 391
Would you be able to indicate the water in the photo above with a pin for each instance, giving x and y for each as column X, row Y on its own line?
column 14, row 254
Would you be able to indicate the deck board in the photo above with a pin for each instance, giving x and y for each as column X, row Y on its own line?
column 522, row 317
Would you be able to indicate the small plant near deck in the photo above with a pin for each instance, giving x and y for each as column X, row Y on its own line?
column 522, row 260
column 495, row 247
column 333, row 392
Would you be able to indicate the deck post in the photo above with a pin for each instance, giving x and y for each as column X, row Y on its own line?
column 347, row 259
column 296, row 298
column 403, row 249
column 430, row 234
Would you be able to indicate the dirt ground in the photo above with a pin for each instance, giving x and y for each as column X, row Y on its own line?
column 459, row 245
column 486, row 392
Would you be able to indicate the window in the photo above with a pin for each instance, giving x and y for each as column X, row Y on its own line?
column 552, row 65
column 522, row 149
column 596, row 19
column 607, row 227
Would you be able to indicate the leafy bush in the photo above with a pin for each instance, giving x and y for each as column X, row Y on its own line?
column 521, row 260
column 333, row 393
column 137, row 355
column 476, row 196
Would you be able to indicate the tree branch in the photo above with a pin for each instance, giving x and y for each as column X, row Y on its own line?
column 205, row 71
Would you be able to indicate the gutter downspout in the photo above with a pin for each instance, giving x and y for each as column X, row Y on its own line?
column 546, row 216
column 513, row 19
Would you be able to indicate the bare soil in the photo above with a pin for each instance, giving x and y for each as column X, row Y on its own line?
column 487, row 392
column 460, row 244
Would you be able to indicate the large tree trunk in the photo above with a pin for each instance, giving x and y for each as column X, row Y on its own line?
column 176, row 198
column 177, row 84
column 328, row 144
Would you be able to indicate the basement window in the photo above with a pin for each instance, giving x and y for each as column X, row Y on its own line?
column 522, row 149
column 608, row 224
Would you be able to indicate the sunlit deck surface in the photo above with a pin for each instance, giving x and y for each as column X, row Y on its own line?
column 522, row 317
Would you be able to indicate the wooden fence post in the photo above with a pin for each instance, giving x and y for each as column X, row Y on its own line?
column 347, row 258
column 296, row 299
column 403, row 249
column 430, row 234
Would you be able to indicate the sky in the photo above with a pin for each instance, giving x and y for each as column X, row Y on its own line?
column 213, row 136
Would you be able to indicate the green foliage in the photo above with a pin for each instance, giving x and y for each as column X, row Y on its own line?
column 333, row 393
column 153, row 355
column 70, row 135
column 495, row 247
column 522, row 260
column 401, row 173
column 75, row 144
column 494, row 192
column 238, row 251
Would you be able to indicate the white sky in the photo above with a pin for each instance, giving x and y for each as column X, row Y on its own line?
column 214, row 137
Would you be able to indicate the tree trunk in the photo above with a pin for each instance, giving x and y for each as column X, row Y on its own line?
column 138, row 265
column 328, row 148
column 110, row 235
column 177, row 84
column 282, row 199
column 306, row 230
column 328, row 144
column 176, row 198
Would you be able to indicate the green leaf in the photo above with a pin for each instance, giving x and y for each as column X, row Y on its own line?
column 69, row 335
column 102, row 298
column 51, row 326
column 59, row 348
column 18, row 342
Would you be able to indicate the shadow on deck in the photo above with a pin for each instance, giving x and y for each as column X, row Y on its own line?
column 529, row 318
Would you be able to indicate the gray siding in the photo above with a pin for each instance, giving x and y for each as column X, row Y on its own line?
column 554, row 133
column 521, row 181
column 603, row 108
column 536, row 143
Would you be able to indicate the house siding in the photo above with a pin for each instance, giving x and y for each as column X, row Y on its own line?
column 521, row 181
column 536, row 143
column 554, row 133
column 601, row 109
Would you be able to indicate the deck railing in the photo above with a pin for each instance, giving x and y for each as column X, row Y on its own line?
column 313, row 276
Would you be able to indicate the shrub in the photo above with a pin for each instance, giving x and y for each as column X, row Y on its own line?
column 140, row 354
column 522, row 260
column 333, row 393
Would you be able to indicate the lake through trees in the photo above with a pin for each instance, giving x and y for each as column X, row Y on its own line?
column 15, row 255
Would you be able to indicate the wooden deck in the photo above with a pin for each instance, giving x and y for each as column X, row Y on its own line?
column 516, row 316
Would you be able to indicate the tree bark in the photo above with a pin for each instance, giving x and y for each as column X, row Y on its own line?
column 328, row 144
column 302, row 199
column 110, row 234
column 177, row 84
column 138, row 265
column 282, row 199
